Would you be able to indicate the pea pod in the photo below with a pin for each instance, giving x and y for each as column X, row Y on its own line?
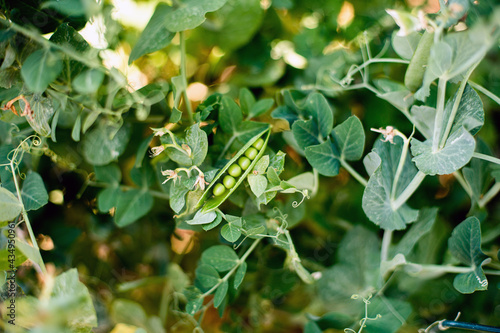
column 209, row 200
column 414, row 75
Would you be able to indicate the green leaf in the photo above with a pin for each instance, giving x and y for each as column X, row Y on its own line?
column 90, row 120
column 305, row 133
column 377, row 201
column 197, row 141
column 34, row 194
column 470, row 112
column 420, row 228
column 190, row 13
column 108, row 199
column 9, row 205
column 221, row 257
column 357, row 268
column 65, row 35
column 100, row 148
column 232, row 26
column 405, row 46
column 230, row 115
column 206, row 276
column 202, row 218
column 258, row 184
column 214, row 223
column 220, row 293
column 465, row 245
column 5, row 263
column 393, row 313
column 317, row 107
column 177, row 197
column 239, row 275
column 247, row 100
column 68, row 286
column 110, row 174
column 312, row 327
column 262, row 165
column 132, row 205
column 350, row 138
column 30, row 252
column 71, row 7
column 128, row 312
column 456, row 153
column 77, row 128
column 42, row 112
column 40, row 69
column 454, row 55
column 424, row 116
column 477, row 174
column 231, row 232
column 87, row 82
column 324, row 158
column 260, row 107
column 155, row 36
column 142, row 150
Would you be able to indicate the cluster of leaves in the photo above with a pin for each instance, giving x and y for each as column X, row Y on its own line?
column 258, row 247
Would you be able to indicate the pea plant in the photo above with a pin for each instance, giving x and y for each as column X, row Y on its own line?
column 333, row 190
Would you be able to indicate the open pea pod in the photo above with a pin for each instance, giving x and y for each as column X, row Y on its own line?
column 208, row 200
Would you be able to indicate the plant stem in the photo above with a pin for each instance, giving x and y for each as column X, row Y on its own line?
column 456, row 104
column 492, row 192
column 184, row 77
column 452, row 269
column 485, row 91
column 486, row 158
column 408, row 191
column 438, row 122
column 399, row 170
column 231, row 272
column 26, row 218
column 386, row 243
column 353, row 172
column 462, row 182
column 376, row 60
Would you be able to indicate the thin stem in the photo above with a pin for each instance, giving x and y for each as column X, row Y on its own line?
column 452, row 269
column 462, row 182
column 184, row 77
column 485, row 92
column 492, row 192
column 456, row 104
column 377, row 60
column 316, row 183
column 408, row 191
column 26, row 218
column 353, row 173
column 231, row 272
column 438, row 122
column 386, row 243
column 401, row 164
column 486, row 158
column 165, row 300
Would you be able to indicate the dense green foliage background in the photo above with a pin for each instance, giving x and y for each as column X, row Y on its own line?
column 93, row 174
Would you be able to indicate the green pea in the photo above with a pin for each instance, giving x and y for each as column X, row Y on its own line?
column 229, row 182
column 258, row 144
column 251, row 153
column 244, row 162
column 234, row 170
column 219, row 190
